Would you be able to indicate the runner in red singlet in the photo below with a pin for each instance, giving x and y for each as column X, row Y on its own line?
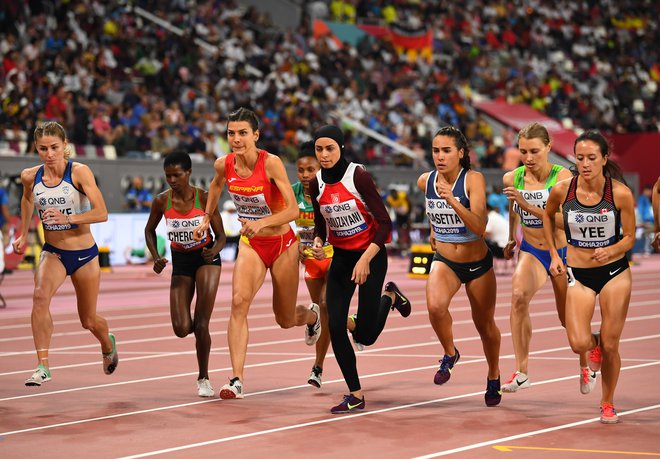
column 260, row 189
column 195, row 263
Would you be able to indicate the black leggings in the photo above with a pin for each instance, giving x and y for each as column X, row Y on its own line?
column 373, row 308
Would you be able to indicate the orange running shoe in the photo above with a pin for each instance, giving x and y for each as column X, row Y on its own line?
column 608, row 414
column 595, row 356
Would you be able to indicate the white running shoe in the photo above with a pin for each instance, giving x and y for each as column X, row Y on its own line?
column 313, row 332
column 232, row 390
column 519, row 380
column 587, row 380
column 204, row 388
column 40, row 376
column 315, row 377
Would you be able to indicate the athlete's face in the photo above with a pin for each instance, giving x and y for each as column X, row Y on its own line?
column 589, row 159
column 241, row 137
column 51, row 149
column 327, row 152
column 446, row 156
column 307, row 169
column 533, row 153
column 177, row 178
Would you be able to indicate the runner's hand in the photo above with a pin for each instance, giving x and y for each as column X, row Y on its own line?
column 159, row 265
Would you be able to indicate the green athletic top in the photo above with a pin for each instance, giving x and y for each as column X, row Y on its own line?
column 537, row 198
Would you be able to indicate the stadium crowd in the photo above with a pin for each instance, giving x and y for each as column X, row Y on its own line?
column 112, row 77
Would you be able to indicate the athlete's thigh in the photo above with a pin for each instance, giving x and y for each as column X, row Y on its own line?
column 49, row 275
column 248, row 276
column 441, row 286
column 482, row 293
column 529, row 275
column 286, row 277
column 316, row 288
column 182, row 289
column 580, row 306
column 86, row 281
column 207, row 279
column 614, row 301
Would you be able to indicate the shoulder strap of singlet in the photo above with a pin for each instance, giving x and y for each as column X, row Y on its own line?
column 430, row 184
column 570, row 194
column 608, row 193
column 198, row 203
column 39, row 176
column 552, row 176
column 67, row 172
column 229, row 164
column 519, row 178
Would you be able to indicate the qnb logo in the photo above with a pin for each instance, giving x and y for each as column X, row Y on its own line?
column 175, row 224
column 42, row 201
column 328, row 209
column 579, row 218
column 431, row 205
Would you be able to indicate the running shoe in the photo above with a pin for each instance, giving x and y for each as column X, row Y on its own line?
column 40, row 376
column 493, row 394
column 312, row 332
column 315, row 376
column 232, row 390
column 349, row 404
column 587, row 380
column 111, row 359
column 358, row 346
column 446, row 365
column 400, row 303
column 595, row 356
column 608, row 414
column 519, row 380
column 204, row 388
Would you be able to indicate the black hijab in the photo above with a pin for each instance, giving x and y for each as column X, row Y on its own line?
column 336, row 172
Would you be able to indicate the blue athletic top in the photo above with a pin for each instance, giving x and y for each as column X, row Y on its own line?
column 447, row 225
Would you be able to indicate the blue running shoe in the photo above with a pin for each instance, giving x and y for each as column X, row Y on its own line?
column 446, row 365
column 493, row 394
column 349, row 404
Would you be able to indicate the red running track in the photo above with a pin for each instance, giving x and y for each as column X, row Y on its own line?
column 150, row 405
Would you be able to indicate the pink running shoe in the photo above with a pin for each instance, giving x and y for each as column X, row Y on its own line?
column 608, row 414
column 595, row 356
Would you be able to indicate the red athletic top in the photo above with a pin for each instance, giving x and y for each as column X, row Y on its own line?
column 255, row 196
column 351, row 209
column 180, row 226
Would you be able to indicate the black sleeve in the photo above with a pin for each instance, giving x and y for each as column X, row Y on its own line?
column 319, row 221
column 367, row 189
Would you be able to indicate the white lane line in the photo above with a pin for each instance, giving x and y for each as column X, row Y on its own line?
column 633, row 304
column 529, row 434
column 385, row 410
column 251, row 346
column 270, row 391
column 502, row 293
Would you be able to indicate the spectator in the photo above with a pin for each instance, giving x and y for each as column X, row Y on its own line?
column 497, row 232
column 398, row 201
column 232, row 230
column 138, row 198
column 498, row 201
column 645, row 219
